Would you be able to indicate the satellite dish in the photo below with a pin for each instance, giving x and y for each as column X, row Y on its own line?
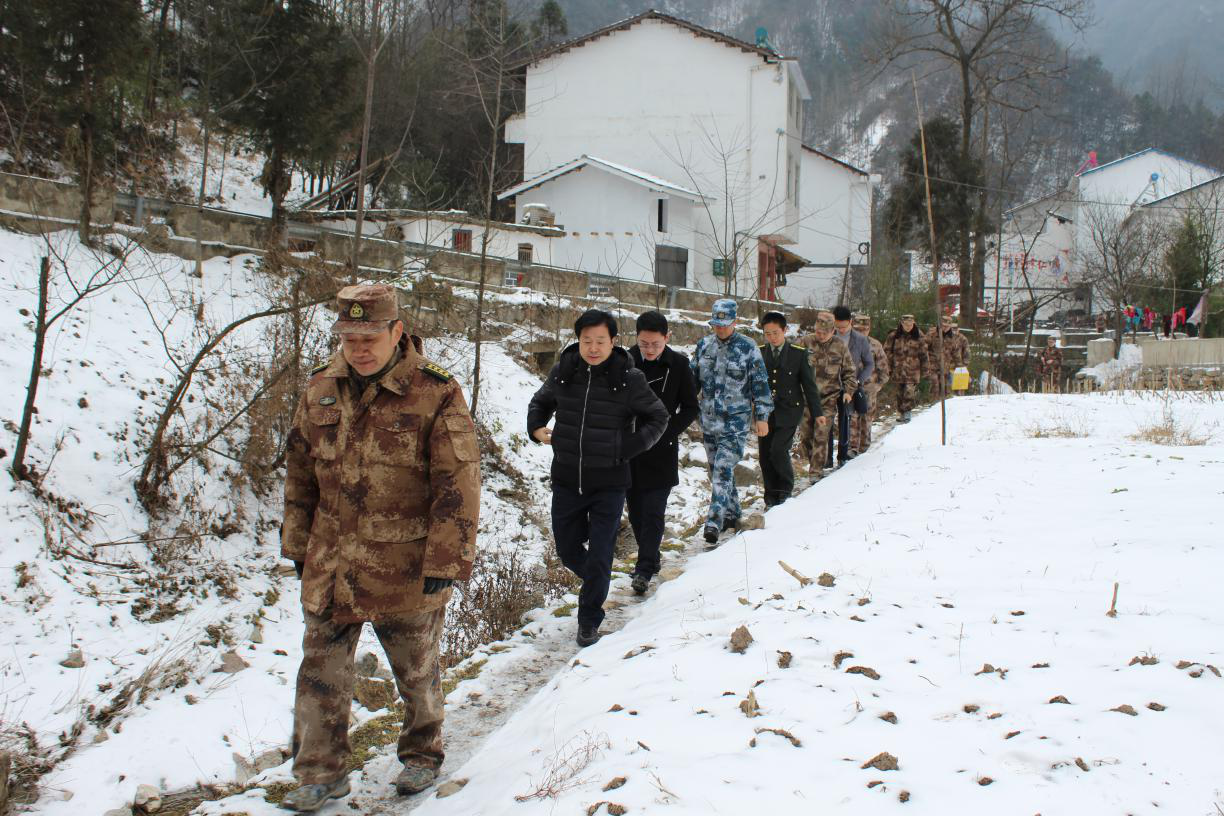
column 1155, row 177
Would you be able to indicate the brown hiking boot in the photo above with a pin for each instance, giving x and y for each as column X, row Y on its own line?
column 414, row 779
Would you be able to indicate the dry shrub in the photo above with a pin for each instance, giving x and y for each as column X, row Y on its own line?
column 565, row 766
column 504, row 586
column 27, row 761
column 1168, row 431
column 1061, row 427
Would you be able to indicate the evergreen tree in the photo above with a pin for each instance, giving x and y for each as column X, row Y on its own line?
column 293, row 92
column 549, row 25
column 71, row 59
column 954, row 181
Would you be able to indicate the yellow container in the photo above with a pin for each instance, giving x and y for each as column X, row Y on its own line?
column 960, row 379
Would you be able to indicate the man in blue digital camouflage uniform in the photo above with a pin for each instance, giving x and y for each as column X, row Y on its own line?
column 734, row 397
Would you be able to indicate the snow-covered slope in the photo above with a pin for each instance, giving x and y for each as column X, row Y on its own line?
column 149, row 703
column 973, row 579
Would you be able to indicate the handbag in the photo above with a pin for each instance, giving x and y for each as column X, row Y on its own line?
column 859, row 401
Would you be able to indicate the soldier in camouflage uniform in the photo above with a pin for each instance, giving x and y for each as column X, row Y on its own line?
column 834, row 373
column 1049, row 365
column 382, row 492
column 955, row 352
column 860, row 424
column 907, row 359
column 733, row 393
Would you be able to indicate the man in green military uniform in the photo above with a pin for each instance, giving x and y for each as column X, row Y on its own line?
column 793, row 387
column 382, row 494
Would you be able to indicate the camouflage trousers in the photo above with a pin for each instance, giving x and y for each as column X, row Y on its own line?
column 724, row 451
column 860, row 424
column 325, row 691
column 907, row 396
column 814, row 442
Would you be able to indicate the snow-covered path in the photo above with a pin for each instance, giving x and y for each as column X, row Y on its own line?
column 1000, row 549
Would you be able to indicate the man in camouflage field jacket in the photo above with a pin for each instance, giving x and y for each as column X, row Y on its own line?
column 382, row 493
column 734, row 398
column 908, row 361
column 860, row 424
column 1049, row 365
column 955, row 352
column 834, row 373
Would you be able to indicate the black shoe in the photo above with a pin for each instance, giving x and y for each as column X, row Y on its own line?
column 904, row 418
column 711, row 534
column 730, row 524
column 850, row 456
column 640, row 582
column 587, row 635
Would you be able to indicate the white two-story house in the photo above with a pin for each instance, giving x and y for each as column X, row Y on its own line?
column 673, row 153
column 1048, row 242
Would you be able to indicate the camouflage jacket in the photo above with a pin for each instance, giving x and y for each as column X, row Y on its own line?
column 1049, row 361
column 382, row 489
column 732, row 384
column 955, row 350
column 880, row 376
column 833, row 369
column 907, row 355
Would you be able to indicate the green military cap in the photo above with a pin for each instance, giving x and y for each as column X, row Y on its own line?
column 365, row 308
column 862, row 318
column 824, row 323
column 907, row 317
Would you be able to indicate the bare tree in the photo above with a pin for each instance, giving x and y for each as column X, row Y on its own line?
column 1118, row 250
column 63, row 284
column 995, row 48
column 733, row 211
column 493, row 45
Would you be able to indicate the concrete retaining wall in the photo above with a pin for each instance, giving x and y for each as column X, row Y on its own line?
column 1206, row 352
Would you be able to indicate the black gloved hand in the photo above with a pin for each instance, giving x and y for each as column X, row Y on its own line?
column 433, row 585
column 299, row 567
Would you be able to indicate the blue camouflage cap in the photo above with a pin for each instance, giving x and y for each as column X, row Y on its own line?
column 723, row 313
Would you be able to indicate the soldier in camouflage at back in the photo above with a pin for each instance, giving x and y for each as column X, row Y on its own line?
column 908, row 360
column 834, row 373
column 860, row 424
column 734, row 397
column 382, row 492
column 955, row 352
column 1049, row 365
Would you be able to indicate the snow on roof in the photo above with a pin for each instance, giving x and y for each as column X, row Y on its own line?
column 835, row 160
column 1144, row 152
column 629, row 22
column 628, row 173
column 1191, row 189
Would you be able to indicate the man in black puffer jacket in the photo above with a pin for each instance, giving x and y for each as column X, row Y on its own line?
column 656, row 471
column 606, row 415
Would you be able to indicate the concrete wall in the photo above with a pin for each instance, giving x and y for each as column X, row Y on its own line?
column 1205, row 352
column 611, row 224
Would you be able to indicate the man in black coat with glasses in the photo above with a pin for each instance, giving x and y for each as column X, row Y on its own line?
column 656, row 471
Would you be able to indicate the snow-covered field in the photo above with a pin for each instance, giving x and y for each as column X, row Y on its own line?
column 973, row 579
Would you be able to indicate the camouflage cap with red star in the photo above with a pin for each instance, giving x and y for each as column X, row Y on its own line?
column 365, row 308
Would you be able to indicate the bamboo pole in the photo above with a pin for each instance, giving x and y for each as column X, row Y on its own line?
column 939, row 339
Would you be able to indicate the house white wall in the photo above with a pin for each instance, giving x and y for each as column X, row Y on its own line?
column 1057, row 249
column 834, row 218
column 687, row 108
column 611, row 223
